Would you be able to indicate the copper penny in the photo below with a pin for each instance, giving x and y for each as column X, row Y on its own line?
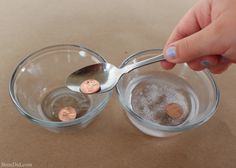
column 174, row 110
column 67, row 114
column 90, row 86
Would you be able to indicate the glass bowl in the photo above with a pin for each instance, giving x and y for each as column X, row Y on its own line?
column 146, row 92
column 38, row 90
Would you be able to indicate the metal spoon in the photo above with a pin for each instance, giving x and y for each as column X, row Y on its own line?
column 105, row 73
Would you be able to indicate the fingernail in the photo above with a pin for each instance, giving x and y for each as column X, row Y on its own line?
column 171, row 52
column 205, row 63
column 224, row 60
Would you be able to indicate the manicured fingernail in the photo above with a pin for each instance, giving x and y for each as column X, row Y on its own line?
column 224, row 60
column 205, row 63
column 171, row 52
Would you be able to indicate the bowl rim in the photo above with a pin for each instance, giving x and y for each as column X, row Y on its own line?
column 47, row 123
column 177, row 128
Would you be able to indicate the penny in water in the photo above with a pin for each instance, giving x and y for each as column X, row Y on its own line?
column 67, row 114
column 174, row 110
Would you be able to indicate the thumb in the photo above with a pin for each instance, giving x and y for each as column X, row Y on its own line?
column 202, row 43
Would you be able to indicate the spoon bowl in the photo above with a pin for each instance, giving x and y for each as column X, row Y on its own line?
column 107, row 75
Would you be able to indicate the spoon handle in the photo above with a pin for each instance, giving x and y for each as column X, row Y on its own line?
column 148, row 61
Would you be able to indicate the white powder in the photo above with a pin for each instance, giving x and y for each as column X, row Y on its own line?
column 149, row 98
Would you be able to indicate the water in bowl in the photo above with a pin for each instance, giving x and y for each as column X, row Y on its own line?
column 60, row 98
column 148, row 96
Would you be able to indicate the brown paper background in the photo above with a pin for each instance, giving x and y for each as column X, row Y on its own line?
column 115, row 29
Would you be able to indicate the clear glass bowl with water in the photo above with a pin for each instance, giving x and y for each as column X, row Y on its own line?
column 38, row 90
column 145, row 92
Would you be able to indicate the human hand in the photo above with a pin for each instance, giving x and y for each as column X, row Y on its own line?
column 205, row 37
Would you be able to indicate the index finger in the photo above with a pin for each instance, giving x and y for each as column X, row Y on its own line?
column 198, row 17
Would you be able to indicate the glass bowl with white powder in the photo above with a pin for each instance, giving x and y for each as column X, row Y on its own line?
column 163, row 103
